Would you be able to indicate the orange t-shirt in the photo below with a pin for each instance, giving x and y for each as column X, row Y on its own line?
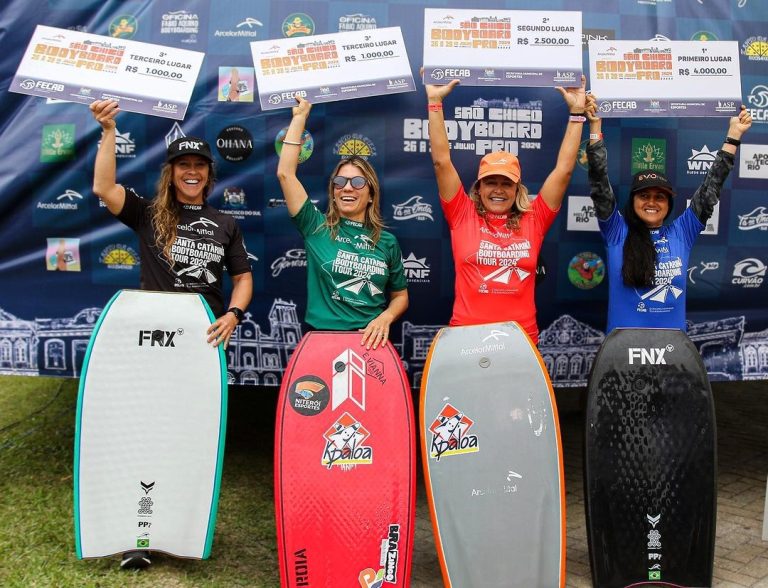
column 495, row 266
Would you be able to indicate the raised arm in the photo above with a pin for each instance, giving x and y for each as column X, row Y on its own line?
column 293, row 190
column 553, row 189
column 597, row 157
column 105, row 184
column 448, row 180
column 708, row 194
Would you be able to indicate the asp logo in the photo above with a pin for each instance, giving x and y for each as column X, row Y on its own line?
column 158, row 338
column 650, row 356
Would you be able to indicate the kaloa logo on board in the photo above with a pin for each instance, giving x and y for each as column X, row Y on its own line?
column 450, row 434
column 345, row 444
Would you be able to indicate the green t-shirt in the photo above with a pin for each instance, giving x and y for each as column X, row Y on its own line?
column 347, row 278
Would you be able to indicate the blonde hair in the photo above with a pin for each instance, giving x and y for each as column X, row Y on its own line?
column 165, row 209
column 521, row 205
column 373, row 220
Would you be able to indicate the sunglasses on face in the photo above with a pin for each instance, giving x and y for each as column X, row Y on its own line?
column 358, row 182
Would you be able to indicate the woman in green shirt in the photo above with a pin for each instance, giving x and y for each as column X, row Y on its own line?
column 355, row 275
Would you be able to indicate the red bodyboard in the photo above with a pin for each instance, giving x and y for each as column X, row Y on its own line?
column 345, row 466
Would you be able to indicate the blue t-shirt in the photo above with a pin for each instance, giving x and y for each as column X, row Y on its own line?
column 663, row 305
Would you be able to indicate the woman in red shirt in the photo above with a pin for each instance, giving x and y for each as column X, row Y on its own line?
column 497, row 229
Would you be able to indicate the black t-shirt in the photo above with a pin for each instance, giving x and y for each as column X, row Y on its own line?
column 206, row 242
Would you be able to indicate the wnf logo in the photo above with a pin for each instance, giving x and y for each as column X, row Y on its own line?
column 157, row 338
column 651, row 356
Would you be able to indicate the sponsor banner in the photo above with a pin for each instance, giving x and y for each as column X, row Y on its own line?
column 665, row 78
column 82, row 67
column 753, row 161
column 502, row 47
column 581, row 214
column 328, row 68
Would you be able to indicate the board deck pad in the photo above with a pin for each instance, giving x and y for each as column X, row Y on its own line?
column 650, row 458
column 149, row 439
column 345, row 466
column 492, row 459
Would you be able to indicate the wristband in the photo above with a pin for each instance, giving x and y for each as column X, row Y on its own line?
column 579, row 118
column 239, row 314
column 595, row 136
column 732, row 141
column 291, row 143
column 435, row 106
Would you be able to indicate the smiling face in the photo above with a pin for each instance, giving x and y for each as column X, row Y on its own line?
column 651, row 205
column 351, row 202
column 190, row 177
column 497, row 193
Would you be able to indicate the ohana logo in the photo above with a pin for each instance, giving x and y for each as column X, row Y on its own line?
column 748, row 273
column 450, row 434
column 413, row 208
column 650, row 356
column 757, row 219
column 345, row 444
column 348, row 379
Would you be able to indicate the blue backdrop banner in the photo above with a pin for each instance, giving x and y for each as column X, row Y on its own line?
column 62, row 255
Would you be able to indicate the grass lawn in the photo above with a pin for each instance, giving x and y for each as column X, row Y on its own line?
column 37, row 417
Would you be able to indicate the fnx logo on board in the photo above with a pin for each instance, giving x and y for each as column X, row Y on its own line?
column 157, row 338
column 651, row 356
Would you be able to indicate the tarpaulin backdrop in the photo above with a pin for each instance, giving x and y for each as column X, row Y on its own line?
column 62, row 255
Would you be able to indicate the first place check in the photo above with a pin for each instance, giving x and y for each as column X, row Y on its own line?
column 81, row 67
column 326, row 68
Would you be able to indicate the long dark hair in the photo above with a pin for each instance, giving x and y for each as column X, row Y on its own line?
column 639, row 265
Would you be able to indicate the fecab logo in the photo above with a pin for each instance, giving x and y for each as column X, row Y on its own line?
column 354, row 144
column 757, row 219
column 124, row 26
column 180, row 22
column 416, row 269
column 307, row 144
column 30, row 84
column 119, row 256
column 450, row 434
column 758, row 98
column 356, row 22
column 298, row 24
column 581, row 214
column 413, row 208
column 235, row 143
column 248, row 27
column 586, row 270
column 700, row 161
column 755, row 48
column 748, row 273
column 649, row 154
column 345, row 444
column 286, row 97
column 753, row 161
column 58, row 143
column 449, row 73
column 309, row 395
column 290, row 259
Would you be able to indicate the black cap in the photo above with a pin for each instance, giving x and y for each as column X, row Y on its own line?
column 649, row 178
column 188, row 146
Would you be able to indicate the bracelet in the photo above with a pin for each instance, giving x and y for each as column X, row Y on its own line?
column 732, row 141
column 577, row 113
column 595, row 136
column 291, row 143
column 435, row 106
column 239, row 314
column 579, row 118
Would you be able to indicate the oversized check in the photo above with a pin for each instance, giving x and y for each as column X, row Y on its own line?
column 82, row 67
column 326, row 68
column 502, row 47
column 665, row 78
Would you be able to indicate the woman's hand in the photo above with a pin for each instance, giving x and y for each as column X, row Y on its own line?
column 591, row 108
column 221, row 330
column 104, row 111
column 302, row 108
column 436, row 94
column 377, row 331
column 575, row 97
column 738, row 125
